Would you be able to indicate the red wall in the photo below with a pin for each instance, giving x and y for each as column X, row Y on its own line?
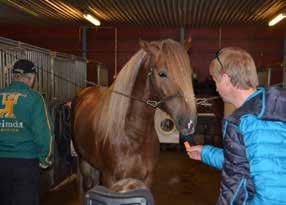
column 101, row 44
column 265, row 44
column 66, row 39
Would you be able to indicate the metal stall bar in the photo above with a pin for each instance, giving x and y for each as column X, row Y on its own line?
column 60, row 75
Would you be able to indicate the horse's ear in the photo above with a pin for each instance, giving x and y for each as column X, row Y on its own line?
column 188, row 43
column 148, row 47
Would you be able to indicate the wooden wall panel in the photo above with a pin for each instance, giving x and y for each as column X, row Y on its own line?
column 101, row 44
column 61, row 39
column 265, row 44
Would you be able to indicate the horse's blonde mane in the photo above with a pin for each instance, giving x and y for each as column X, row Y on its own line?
column 119, row 104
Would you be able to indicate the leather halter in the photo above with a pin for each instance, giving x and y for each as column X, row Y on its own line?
column 152, row 103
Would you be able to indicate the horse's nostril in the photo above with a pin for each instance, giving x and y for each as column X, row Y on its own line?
column 182, row 123
column 190, row 124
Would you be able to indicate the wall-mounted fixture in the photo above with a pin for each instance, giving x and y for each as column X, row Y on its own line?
column 91, row 19
column 277, row 18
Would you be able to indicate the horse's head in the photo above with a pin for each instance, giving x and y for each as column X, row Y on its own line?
column 170, row 82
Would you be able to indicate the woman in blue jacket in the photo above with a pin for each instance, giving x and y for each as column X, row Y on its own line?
column 253, row 157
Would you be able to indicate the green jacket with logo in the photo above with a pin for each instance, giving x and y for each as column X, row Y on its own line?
column 25, row 128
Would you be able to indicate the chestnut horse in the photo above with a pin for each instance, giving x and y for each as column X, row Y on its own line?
column 113, row 129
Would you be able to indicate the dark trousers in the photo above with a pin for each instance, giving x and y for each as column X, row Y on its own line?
column 19, row 181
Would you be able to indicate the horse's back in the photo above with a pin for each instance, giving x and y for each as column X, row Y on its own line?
column 86, row 94
column 88, row 99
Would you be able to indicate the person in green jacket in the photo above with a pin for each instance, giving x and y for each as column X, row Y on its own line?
column 26, row 137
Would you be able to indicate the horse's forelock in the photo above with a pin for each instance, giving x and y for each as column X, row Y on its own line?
column 175, row 55
column 180, row 69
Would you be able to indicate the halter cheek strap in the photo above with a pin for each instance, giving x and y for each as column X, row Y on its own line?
column 155, row 103
column 151, row 103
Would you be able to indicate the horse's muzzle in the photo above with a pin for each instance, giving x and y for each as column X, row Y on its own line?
column 186, row 127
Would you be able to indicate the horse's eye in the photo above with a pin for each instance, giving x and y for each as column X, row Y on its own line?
column 163, row 73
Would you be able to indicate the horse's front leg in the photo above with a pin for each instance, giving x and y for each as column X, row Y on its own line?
column 148, row 180
column 90, row 175
column 107, row 179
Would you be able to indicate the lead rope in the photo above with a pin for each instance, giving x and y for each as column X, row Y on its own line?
column 205, row 101
column 152, row 103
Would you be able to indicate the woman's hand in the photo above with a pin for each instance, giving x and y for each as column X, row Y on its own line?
column 194, row 152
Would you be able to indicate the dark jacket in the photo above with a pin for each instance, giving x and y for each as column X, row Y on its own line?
column 253, row 158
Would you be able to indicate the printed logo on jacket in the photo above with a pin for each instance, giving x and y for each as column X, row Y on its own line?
column 9, row 121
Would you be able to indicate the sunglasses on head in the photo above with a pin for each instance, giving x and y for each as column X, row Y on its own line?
column 217, row 57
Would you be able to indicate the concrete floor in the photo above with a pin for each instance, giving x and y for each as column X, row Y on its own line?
column 178, row 181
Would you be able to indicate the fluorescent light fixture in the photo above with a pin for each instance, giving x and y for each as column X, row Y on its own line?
column 91, row 19
column 278, row 18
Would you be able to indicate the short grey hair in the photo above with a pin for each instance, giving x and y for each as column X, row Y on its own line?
column 20, row 76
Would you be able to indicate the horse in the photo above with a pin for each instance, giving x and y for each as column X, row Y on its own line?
column 113, row 128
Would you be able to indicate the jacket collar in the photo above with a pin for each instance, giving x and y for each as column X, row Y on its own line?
column 254, row 104
column 264, row 104
column 19, row 84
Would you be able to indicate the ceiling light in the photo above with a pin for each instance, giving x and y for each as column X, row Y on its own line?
column 278, row 18
column 91, row 19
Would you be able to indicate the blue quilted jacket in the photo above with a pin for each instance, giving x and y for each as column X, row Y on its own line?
column 253, row 158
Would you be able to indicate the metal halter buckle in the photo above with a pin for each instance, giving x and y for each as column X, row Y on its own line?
column 153, row 103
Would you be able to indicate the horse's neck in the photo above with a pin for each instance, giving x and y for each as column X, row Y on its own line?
column 140, row 116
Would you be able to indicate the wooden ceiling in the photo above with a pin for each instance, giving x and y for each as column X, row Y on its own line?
column 147, row 13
